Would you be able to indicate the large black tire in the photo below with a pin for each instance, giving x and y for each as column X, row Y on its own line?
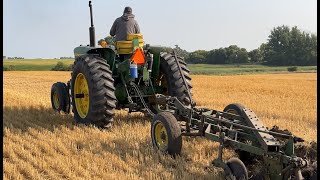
column 60, row 99
column 171, row 134
column 234, row 109
column 173, row 77
column 102, row 100
column 237, row 109
column 238, row 169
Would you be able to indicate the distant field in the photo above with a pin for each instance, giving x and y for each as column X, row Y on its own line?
column 205, row 69
column 232, row 69
column 34, row 64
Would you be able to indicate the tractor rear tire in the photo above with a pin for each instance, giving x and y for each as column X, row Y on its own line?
column 92, row 91
column 166, row 133
column 238, row 169
column 60, row 99
column 175, row 85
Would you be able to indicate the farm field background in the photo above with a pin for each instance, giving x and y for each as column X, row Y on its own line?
column 204, row 69
column 34, row 64
column 41, row 144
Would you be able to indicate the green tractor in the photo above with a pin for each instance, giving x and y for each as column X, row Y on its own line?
column 143, row 78
column 126, row 74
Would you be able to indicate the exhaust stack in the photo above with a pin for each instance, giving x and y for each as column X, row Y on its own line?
column 91, row 29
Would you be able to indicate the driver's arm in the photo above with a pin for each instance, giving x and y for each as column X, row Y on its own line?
column 136, row 27
column 113, row 28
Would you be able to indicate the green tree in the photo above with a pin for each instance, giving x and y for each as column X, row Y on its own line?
column 197, row 57
column 181, row 52
column 217, row 56
column 287, row 46
column 60, row 66
column 263, row 51
column 236, row 54
column 243, row 56
column 255, row 56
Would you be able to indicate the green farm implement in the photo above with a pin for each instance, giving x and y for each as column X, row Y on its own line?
column 143, row 78
column 235, row 127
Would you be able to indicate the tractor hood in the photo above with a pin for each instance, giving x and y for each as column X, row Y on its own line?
column 82, row 50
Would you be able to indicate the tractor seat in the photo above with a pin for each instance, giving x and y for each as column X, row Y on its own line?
column 126, row 47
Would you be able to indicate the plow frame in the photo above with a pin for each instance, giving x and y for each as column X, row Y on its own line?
column 235, row 131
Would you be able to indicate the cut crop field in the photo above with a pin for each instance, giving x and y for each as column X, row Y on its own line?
column 41, row 144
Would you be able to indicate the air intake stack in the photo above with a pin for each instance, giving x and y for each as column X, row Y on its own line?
column 91, row 29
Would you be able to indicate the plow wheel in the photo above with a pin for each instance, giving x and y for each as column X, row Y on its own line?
column 234, row 109
column 60, row 99
column 92, row 91
column 166, row 133
column 238, row 169
column 237, row 109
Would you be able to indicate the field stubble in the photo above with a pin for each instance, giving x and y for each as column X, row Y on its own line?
column 40, row 144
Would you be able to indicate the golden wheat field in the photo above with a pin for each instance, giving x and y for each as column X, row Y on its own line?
column 41, row 144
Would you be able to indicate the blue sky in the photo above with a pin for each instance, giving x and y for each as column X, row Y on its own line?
column 53, row 28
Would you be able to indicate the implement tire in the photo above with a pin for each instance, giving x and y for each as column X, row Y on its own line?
column 175, row 85
column 166, row 133
column 92, row 91
column 237, row 109
column 238, row 169
column 60, row 99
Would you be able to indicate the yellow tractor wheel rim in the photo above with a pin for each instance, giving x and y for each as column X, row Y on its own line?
column 56, row 101
column 81, row 95
column 161, row 136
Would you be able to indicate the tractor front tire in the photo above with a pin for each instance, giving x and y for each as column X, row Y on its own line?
column 60, row 99
column 92, row 91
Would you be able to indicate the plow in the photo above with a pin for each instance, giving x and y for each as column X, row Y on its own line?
column 235, row 127
column 143, row 78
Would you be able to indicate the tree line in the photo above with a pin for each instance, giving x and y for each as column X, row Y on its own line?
column 66, row 57
column 285, row 47
column 4, row 57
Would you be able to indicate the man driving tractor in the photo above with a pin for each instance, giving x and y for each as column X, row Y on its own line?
column 124, row 25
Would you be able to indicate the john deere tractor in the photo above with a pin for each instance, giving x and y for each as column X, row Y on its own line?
column 127, row 74
column 143, row 78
